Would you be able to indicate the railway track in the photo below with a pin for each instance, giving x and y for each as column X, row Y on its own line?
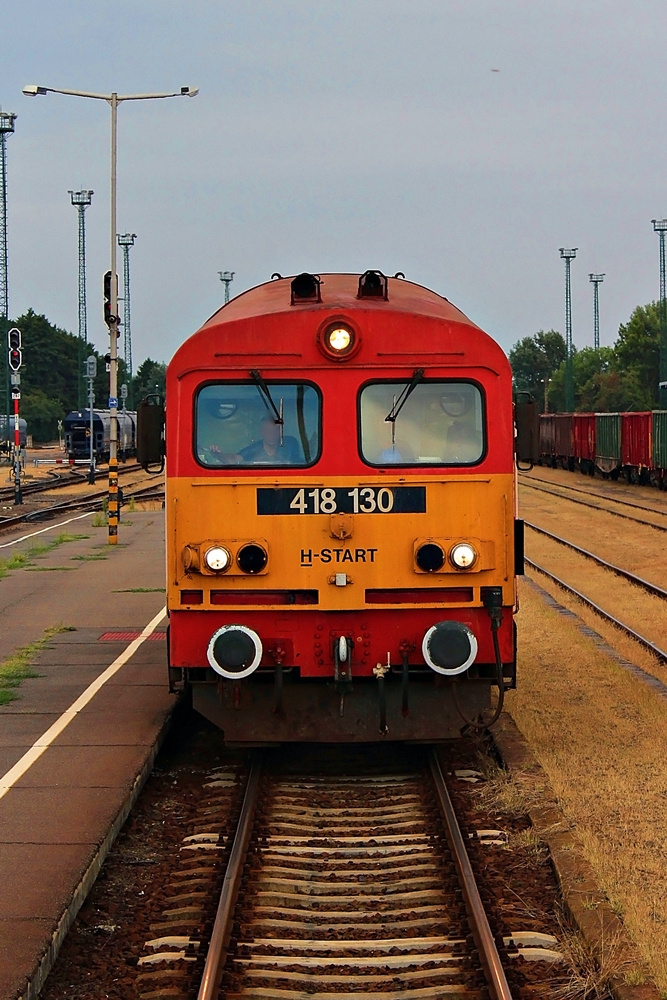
column 91, row 501
column 605, row 509
column 57, row 481
column 638, row 581
column 349, row 884
column 656, row 495
column 645, row 643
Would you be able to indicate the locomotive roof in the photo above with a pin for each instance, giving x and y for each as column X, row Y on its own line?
column 339, row 291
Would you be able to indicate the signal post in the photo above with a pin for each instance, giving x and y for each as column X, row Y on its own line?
column 15, row 357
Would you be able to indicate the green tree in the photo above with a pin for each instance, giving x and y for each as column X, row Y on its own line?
column 637, row 350
column 41, row 414
column 535, row 359
column 150, row 378
column 50, row 374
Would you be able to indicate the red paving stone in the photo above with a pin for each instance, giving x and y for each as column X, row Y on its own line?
column 56, row 816
column 20, row 942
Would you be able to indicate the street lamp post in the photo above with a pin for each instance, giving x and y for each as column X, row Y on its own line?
column 113, row 100
column 546, row 382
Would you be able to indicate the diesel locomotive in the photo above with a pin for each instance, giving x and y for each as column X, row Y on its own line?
column 341, row 523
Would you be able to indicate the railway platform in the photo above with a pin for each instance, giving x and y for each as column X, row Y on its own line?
column 80, row 737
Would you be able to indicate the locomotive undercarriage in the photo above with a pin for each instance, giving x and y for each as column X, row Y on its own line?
column 313, row 710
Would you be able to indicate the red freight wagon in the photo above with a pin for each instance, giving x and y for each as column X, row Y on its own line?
column 547, row 436
column 563, row 450
column 583, row 438
column 636, row 443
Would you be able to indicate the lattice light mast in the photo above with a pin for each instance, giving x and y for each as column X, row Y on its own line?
column 126, row 240
column 226, row 277
column 81, row 200
column 660, row 227
column 568, row 256
column 597, row 280
column 7, row 119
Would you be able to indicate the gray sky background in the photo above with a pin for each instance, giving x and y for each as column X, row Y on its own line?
column 338, row 137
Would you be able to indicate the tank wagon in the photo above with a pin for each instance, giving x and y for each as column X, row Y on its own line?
column 77, row 434
column 8, row 433
column 341, row 513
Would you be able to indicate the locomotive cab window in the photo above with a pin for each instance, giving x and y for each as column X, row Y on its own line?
column 257, row 424
column 419, row 422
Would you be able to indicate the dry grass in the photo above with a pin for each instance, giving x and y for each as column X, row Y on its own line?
column 587, row 975
column 513, row 792
column 634, row 547
column 601, row 736
column 635, row 607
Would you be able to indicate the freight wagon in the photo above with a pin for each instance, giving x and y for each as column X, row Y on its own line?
column 632, row 445
column 77, row 434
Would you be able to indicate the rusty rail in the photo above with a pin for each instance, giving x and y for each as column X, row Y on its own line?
column 222, row 928
column 481, row 931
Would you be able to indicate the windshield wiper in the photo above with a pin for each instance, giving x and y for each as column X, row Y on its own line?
column 399, row 403
column 264, row 392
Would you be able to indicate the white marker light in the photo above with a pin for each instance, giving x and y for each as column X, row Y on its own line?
column 217, row 559
column 463, row 556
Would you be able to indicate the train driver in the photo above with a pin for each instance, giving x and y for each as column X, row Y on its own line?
column 266, row 450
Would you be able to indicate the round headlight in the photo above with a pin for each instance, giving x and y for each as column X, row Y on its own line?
column 463, row 556
column 217, row 559
column 339, row 339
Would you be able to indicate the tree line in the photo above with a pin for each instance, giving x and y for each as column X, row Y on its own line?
column 612, row 379
column 50, row 383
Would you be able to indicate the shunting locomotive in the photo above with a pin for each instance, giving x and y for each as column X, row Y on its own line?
column 342, row 541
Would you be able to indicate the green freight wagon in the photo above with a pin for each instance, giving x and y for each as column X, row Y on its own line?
column 660, row 444
column 608, row 442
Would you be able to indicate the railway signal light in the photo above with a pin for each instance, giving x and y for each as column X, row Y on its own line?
column 109, row 317
column 91, row 366
column 15, row 353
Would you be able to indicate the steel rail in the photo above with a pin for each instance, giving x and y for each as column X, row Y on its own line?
column 601, row 496
column 639, row 581
column 642, row 640
column 481, row 931
column 222, row 928
column 605, row 510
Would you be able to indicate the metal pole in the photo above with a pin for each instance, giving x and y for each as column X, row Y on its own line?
column 18, row 497
column 91, row 401
column 4, row 303
column 568, row 256
column 126, row 240
column 113, row 340
column 226, row 277
column 660, row 226
column 7, row 119
column 81, row 200
column 662, row 391
column 596, row 279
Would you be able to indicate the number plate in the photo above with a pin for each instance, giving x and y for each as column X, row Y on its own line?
column 343, row 500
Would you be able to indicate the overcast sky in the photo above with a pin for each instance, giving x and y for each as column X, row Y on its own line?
column 340, row 137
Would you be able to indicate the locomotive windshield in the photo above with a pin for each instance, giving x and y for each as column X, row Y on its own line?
column 436, row 423
column 239, row 424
